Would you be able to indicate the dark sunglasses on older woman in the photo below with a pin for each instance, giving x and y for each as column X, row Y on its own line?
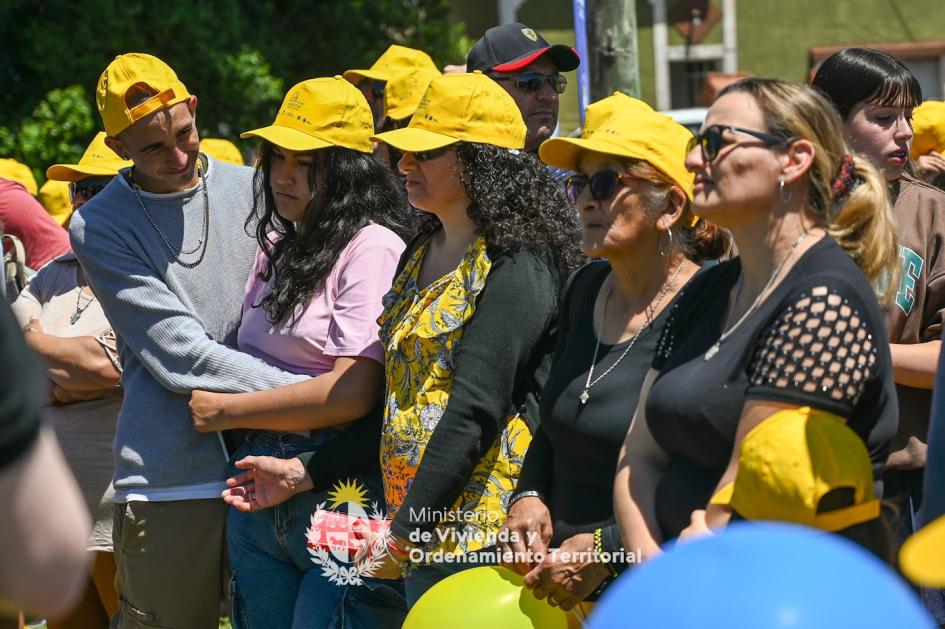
column 534, row 81
column 712, row 140
column 602, row 184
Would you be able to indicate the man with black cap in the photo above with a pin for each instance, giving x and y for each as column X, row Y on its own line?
column 529, row 69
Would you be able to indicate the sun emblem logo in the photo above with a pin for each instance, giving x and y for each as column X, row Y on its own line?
column 331, row 539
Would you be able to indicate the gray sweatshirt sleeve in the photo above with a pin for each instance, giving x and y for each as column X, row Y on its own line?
column 152, row 322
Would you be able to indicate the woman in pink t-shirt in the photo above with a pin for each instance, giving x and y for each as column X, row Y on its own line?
column 330, row 223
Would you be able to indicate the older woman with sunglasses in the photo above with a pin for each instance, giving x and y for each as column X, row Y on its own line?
column 634, row 196
column 64, row 323
column 467, row 325
column 791, row 322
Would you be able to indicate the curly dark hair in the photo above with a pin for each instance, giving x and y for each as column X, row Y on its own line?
column 516, row 204
column 356, row 190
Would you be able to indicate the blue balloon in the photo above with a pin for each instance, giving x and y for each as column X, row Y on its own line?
column 762, row 574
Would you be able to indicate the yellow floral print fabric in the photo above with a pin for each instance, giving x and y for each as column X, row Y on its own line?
column 420, row 330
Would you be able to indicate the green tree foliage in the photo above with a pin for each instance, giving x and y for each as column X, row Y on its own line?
column 237, row 56
column 58, row 130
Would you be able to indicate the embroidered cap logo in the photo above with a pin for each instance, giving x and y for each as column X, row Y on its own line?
column 529, row 33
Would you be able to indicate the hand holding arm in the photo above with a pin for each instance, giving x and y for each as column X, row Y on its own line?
column 347, row 392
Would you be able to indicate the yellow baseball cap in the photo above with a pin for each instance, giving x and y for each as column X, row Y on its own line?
column 461, row 108
column 928, row 127
column 922, row 556
column 223, row 150
column 789, row 462
column 623, row 126
column 395, row 60
column 54, row 197
column 404, row 91
column 98, row 161
column 130, row 70
column 18, row 172
column 319, row 113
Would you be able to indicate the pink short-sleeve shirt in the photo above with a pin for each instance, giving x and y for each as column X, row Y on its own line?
column 341, row 318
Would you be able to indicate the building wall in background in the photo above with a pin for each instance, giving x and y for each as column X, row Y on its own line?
column 774, row 36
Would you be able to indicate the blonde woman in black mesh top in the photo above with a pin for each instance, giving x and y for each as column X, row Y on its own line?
column 793, row 321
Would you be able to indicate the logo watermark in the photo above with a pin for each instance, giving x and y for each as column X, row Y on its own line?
column 331, row 538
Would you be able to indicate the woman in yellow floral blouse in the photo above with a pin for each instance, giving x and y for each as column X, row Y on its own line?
column 467, row 324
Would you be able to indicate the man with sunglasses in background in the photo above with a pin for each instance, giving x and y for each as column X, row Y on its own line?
column 529, row 69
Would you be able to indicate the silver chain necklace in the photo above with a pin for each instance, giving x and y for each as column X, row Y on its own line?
column 591, row 381
column 80, row 307
column 202, row 243
column 712, row 351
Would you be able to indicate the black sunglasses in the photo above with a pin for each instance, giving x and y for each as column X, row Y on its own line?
column 87, row 188
column 534, row 81
column 423, row 156
column 712, row 141
column 603, row 184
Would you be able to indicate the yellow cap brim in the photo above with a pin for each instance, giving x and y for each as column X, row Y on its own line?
column 565, row 152
column 287, row 138
column 75, row 172
column 399, row 113
column 355, row 76
column 922, row 558
column 414, row 140
column 724, row 495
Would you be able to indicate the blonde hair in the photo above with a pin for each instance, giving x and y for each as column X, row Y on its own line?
column 862, row 221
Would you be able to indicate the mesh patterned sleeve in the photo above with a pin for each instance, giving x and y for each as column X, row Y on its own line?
column 819, row 351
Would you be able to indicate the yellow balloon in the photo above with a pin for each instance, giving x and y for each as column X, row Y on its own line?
column 487, row 596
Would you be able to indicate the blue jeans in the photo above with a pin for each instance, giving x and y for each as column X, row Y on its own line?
column 275, row 583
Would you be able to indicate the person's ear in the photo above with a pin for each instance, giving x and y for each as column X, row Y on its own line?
column 117, row 146
column 797, row 160
column 673, row 210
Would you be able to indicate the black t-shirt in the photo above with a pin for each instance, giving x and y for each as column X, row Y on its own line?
column 23, row 391
column 818, row 340
column 573, row 456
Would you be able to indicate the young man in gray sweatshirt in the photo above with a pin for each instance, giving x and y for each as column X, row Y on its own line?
column 165, row 250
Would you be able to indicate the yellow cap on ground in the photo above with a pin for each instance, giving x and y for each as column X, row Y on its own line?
column 18, row 172
column 461, row 108
column 319, row 113
column 136, row 69
column 395, row 60
column 623, row 126
column 97, row 161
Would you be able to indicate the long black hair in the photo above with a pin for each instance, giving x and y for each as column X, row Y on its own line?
column 855, row 75
column 355, row 190
column 516, row 204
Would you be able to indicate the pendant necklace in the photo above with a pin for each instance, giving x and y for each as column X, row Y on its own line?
column 712, row 351
column 80, row 307
column 591, row 381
